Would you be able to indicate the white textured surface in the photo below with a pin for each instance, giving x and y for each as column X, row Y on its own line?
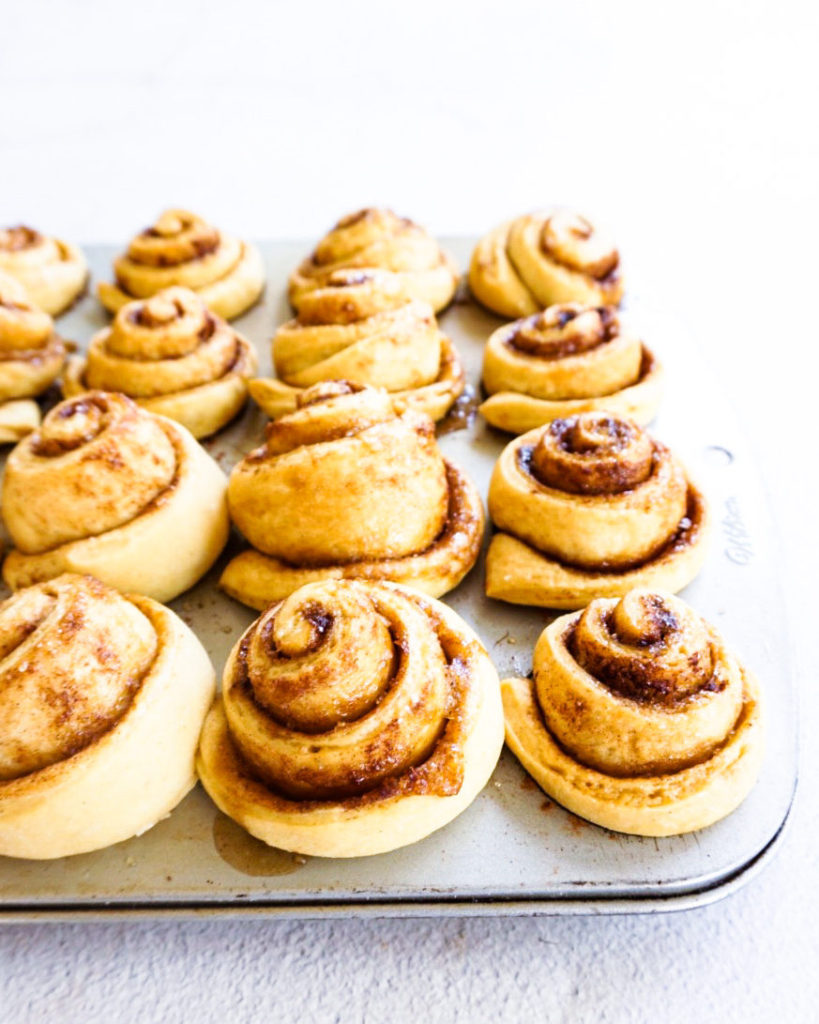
column 692, row 131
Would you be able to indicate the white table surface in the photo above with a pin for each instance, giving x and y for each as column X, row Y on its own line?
column 691, row 131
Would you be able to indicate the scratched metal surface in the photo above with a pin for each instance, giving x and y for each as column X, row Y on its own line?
column 512, row 850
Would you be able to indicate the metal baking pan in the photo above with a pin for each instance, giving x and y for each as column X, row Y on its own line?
column 513, row 851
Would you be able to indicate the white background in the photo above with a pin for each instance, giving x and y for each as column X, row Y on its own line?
column 691, row 131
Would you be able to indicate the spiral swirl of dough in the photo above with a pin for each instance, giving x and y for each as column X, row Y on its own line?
column 542, row 259
column 591, row 506
column 183, row 249
column 638, row 718
column 568, row 359
column 172, row 356
column 52, row 272
column 106, row 488
column 32, row 355
column 351, row 704
column 344, row 486
column 378, row 239
column 362, row 326
column 101, row 701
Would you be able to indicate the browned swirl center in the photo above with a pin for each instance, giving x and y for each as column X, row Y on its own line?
column 19, row 237
column 573, row 241
column 169, row 325
column 71, row 424
column 563, row 330
column 649, row 647
column 337, row 689
column 176, row 237
column 351, row 295
column 592, row 453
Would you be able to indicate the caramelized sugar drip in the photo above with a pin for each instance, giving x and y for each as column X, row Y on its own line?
column 650, row 647
column 592, row 453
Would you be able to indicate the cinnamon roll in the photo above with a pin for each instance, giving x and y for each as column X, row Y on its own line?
column 591, row 506
column 52, row 272
column 183, row 249
column 356, row 717
column 173, row 357
column 345, row 487
column 567, row 359
column 638, row 718
column 32, row 355
column 362, row 326
column 544, row 258
column 108, row 489
column 102, row 697
column 376, row 238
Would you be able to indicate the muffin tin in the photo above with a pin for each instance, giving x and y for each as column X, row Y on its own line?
column 513, row 851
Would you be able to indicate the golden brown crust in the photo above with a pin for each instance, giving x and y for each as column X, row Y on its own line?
column 591, row 506
column 172, row 356
column 568, row 359
column 377, row 238
column 363, row 326
column 356, row 717
column 345, row 487
column 638, row 717
column 32, row 355
column 101, row 701
column 107, row 488
column 52, row 272
column 181, row 249
column 544, row 258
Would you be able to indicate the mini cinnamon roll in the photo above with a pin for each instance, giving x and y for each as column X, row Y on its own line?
column 356, row 717
column 638, row 718
column 183, row 249
column 362, row 326
column 52, row 272
column 345, row 487
column 542, row 259
column 591, row 506
column 32, row 355
column 102, row 697
column 568, row 359
column 378, row 239
column 108, row 489
column 173, row 357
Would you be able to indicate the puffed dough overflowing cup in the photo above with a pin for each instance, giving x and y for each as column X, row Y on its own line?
column 544, row 258
column 102, row 698
column 355, row 718
column 591, row 506
column 364, row 326
column 52, row 272
column 182, row 249
column 32, row 355
column 344, row 487
column 566, row 360
column 174, row 357
column 108, row 489
column 638, row 717
column 377, row 239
